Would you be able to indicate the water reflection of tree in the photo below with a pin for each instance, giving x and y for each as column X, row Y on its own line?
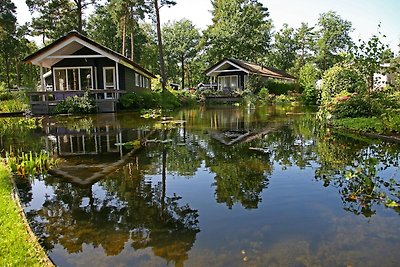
column 240, row 176
column 131, row 210
column 354, row 165
column 21, row 134
column 350, row 163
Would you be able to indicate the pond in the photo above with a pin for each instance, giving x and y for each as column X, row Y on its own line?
column 216, row 186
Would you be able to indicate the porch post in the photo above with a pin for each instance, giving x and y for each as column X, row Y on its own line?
column 41, row 78
column 117, row 77
column 117, row 74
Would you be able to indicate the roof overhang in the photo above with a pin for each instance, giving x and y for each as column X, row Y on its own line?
column 66, row 46
column 223, row 67
column 65, row 49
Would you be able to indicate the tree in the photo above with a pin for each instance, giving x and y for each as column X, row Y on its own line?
column 305, row 38
column 102, row 28
column 8, row 25
column 157, row 4
column 333, row 39
column 180, row 39
column 370, row 55
column 126, row 14
column 284, row 48
column 240, row 29
column 81, row 5
column 52, row 18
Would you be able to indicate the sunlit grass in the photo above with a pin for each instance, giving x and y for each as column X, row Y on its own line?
column 16, row 246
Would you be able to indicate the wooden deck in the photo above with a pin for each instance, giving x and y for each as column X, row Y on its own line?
column 44, row 102
column 224, row 99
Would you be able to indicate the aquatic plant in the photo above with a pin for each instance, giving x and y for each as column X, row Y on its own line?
column 28, row 164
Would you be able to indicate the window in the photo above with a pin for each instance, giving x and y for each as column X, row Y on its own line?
column 109, row 77
column 60, row 78
column 72, row 79
column 137, row 79
column 86, row 79
column 228, row 82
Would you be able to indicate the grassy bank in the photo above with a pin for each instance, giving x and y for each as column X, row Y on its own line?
column 17, row 247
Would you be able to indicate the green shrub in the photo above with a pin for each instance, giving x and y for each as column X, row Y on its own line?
column 149, row 100
column 76, row 105
column 342, row 78
column 13, row 105
column 280, row 88
column 372, row 124
column 307, row 81
column 353, row 106
column 263, row 95
column 284, row 99
column 391, row 120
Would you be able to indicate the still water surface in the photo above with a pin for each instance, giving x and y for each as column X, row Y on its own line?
column 217, row 187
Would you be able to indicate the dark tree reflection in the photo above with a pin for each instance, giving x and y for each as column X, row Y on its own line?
column 129, row 209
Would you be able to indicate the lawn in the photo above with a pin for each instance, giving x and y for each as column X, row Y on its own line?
column 17, row 247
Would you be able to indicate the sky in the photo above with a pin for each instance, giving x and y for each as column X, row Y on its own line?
column 365, row 15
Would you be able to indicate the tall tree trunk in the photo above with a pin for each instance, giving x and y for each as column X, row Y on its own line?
column 164, row 173
column 183, row 72
column 132, row 43
column 79, row 14
column 123, row 35
column 160, row 47
column 6, row 61
column 18, row 72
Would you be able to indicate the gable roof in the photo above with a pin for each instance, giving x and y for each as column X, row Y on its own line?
column 252, row 68
column 74, row 41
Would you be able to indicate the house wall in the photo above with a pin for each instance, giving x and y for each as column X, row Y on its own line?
column 127, row 80
column 131, row 83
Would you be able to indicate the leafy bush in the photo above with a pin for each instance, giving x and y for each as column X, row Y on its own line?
column 263, row 95
column 255, row 83
column 342, row 78
column 284, row 99
column 148, row 100
column 77, row 105
column 391, row 120
column 372, row 124
column 353, row 106
column 280, row 88
column 307, row 81
column 6, row 96
column 13, row 105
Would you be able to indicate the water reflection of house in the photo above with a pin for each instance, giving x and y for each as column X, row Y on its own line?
column 92, row 153
column 78, row 64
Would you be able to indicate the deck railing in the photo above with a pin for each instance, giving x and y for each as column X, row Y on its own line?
column 44, row 102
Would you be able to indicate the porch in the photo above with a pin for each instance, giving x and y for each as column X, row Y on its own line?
column 44, row 102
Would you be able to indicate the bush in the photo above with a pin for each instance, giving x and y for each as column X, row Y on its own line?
column 13, row 105
column 255, row 83
column 342, row 78
column 280, row 88
column 76, row 105
column 169, row 99
column 307, row 82
column 353, row 106
column 391, row 120
column 263, row 95
column 140, row 100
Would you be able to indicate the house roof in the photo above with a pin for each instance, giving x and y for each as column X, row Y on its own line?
column 251, row 68
column 72, row 42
